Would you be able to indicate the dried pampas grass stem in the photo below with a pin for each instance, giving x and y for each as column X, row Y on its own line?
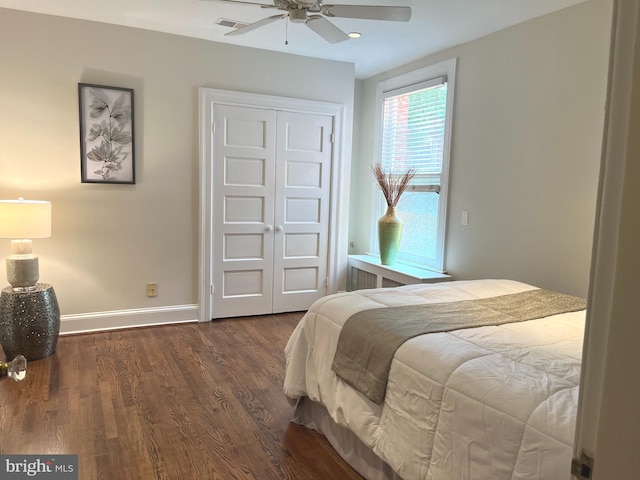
column 391, row 184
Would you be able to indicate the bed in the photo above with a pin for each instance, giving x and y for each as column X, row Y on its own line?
column 489, row 402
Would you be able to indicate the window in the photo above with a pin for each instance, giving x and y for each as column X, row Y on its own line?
column 414, row 130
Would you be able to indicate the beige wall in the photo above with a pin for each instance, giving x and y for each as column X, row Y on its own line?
column 527, row 133
column 110, row 240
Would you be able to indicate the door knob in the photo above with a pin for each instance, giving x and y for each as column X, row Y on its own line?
column 279, row 228
column 268, row 228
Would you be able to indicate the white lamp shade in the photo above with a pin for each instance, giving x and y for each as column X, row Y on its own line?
column 25, row 219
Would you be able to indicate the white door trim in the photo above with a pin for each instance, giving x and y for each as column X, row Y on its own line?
column 615, row 153
column 337, row 255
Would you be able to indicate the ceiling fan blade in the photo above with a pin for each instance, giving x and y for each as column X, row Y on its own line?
column 263, row 5
column 326, row 29
column 254, row 25
column 368, row 12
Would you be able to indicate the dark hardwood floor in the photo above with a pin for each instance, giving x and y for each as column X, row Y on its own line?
column 190, row 401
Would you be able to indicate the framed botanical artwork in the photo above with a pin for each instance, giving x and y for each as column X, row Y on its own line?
column 106, row 134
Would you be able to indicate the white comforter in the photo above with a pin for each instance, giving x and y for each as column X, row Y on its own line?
column 487, row 403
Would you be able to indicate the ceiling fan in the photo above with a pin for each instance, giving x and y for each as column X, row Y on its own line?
column 313, row 13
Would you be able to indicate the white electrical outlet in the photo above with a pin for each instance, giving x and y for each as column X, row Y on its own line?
column 464, row 218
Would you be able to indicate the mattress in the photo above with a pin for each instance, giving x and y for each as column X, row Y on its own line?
column 494, row 402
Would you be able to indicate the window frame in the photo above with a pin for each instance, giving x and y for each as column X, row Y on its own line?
column 406, row 83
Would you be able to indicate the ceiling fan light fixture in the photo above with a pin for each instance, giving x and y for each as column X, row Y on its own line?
column 298, row 15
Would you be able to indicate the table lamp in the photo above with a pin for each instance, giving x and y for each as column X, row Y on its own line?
column 21, row 220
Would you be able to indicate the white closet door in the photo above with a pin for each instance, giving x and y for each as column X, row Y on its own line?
column 243, row 203
column 271, row 199
column 303, row 173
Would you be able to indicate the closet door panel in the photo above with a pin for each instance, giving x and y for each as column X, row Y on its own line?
column 243, row 202
column 303, row 167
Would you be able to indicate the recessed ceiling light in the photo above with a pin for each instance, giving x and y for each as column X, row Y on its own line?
column 354, row 34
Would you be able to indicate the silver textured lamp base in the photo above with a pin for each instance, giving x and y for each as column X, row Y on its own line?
column 29, row 322
column 22, row 266
column 22, row 272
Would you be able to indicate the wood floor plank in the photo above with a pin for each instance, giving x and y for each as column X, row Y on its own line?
column 190, row 401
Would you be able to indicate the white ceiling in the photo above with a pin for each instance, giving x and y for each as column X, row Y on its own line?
column 434, row 26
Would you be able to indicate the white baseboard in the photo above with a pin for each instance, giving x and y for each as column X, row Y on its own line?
column 117, row 319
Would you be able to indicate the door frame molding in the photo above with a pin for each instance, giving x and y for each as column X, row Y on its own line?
column 617, row 152
column 339, row 185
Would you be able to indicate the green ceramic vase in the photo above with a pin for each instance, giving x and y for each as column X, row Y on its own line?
column 389, row 235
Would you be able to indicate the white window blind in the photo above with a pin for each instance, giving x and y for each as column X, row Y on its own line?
column 413, row 131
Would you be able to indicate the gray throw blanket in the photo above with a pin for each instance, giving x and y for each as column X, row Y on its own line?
column 369, row 339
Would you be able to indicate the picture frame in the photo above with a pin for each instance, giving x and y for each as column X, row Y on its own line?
column 107, row 151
